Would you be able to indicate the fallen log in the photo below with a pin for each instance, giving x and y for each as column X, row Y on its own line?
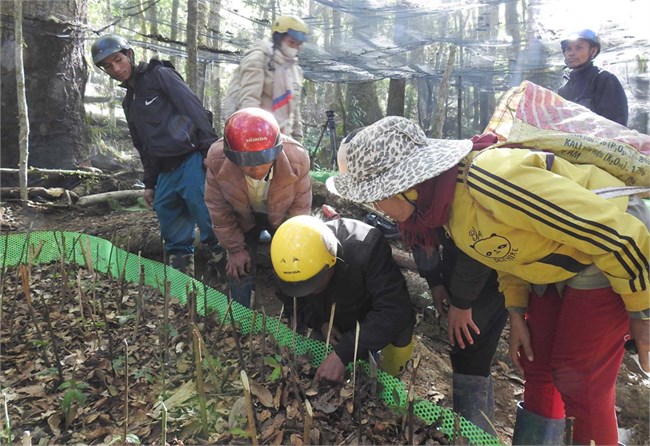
column 52, row 193
column 88, row 173
column 89, row 200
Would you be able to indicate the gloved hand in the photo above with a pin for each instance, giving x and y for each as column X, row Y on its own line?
column 239, row 264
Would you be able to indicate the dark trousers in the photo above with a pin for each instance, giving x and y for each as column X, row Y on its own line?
column 490, row 316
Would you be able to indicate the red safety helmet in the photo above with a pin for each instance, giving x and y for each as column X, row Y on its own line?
column 251, row 137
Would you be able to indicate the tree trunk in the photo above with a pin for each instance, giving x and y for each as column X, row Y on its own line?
column 192, row 45
column 23, row 115
column 442, row 94
column 55, row 75
column 174, row 28
column 214, row 26
column 362, row 97
column 396, row 92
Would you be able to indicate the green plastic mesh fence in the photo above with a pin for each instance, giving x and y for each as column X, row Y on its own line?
column 84, row 249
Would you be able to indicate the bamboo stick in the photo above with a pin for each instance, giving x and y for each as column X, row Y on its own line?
column 250, row 414
column 200, row 387
column 329, row 328
column 309, row 420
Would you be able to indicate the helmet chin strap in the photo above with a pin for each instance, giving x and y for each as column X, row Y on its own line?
column 268, row 174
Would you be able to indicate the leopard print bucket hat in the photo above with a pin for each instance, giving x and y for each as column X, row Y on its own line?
column 389, row 157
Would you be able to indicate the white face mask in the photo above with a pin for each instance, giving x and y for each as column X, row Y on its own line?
column 288, row 51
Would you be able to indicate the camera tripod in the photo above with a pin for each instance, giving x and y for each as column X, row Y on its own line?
column 329, row 125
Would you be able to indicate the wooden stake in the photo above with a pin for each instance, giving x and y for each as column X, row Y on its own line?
column 329, row 328
column 263, row 343
column 200, row 387
column 354, row 365
column 250, row 414
column 309, row 420
column 373, row 375
column 126, row 390
column 251, row 337
column 163, row 428
column 235, row 333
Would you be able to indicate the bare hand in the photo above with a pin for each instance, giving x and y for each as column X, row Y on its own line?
column 149, row 195
column 460, row 323
column 331, row 369
column 519, row 340
column 640, row 332
column 239, row 264
column 335, row 336
column 440, row 300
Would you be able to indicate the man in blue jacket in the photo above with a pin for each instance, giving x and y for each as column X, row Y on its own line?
column 172, row 132
column 585, row 84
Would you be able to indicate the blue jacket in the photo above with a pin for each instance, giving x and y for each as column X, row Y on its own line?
column 598, row 90
column 166, row 119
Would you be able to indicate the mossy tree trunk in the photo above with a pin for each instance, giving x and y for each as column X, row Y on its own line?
column 55, row 78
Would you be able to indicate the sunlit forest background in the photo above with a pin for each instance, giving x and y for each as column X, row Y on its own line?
column 442, row 63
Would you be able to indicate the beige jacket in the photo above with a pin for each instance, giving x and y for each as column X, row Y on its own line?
column 252, row 85
column 226, row 192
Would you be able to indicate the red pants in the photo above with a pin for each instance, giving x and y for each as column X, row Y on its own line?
column 577, row 343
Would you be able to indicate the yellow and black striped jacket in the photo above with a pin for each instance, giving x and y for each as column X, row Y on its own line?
column 534, row 218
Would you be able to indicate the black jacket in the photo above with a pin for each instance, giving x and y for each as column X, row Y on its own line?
column 166, row 119
column 464, row 278
column 598, row 90
column 367, row 286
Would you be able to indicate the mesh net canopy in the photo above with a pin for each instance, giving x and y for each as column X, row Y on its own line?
column 498, row 43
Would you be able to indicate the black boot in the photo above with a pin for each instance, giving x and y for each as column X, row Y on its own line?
column 183, row 262
column 531, row 428
column 473, row 398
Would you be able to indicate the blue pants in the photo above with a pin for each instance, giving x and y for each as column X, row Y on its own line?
column 241, row 289
column 180, row 207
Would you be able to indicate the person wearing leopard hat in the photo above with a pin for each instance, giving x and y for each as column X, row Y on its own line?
column 566, row 257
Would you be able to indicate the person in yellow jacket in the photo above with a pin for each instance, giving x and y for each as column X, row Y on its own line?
column 269, row 77
column 573, row 265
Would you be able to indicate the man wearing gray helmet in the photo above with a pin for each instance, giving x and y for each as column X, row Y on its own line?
column 172, row 132
column 586, row 84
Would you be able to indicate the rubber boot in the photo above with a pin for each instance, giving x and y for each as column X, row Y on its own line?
column 531, row 428
column 473, row 398
column 241, row 290
column 183, row 262
column 217, row 265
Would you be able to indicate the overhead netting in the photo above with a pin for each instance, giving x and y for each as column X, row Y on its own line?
column 496, row 44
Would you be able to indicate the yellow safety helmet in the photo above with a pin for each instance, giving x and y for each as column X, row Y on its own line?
column 303, row 250
column 291, row 25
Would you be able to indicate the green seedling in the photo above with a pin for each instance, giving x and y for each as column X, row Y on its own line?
column 5, row 434
column 276, row 363
column 74, row 393
column 144, row 375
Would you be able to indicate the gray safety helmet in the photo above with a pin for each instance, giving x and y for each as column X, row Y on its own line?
column 107, row 45
column 585, row 34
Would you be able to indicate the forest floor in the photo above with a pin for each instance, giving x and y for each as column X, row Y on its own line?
column 140, row 230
